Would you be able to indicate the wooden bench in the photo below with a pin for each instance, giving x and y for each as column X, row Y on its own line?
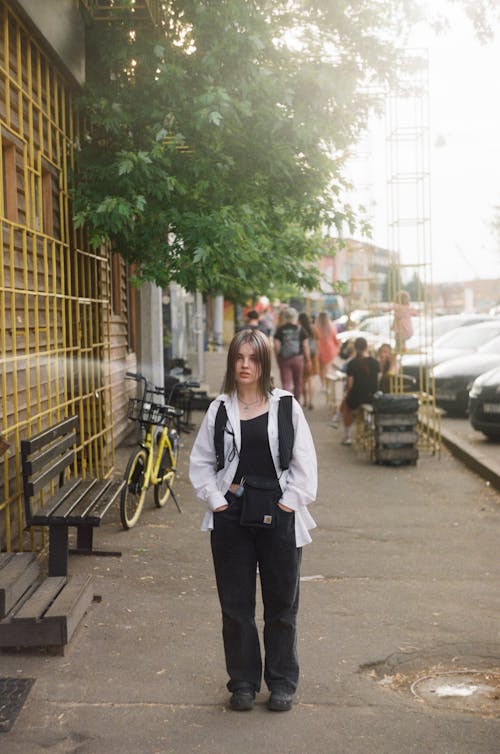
column 77, row 502
column 37, row 611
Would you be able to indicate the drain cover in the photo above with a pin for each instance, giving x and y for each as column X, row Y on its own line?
column 13, row 694
column 470, row 690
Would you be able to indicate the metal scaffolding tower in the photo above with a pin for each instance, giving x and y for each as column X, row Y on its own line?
column 409, row 217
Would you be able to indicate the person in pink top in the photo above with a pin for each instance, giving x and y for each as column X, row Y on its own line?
column 402, row 325
column 328, row 344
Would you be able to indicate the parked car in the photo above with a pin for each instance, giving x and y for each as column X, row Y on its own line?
column 359, row 315
column 373, row 340
column 458, row 342
column 431, row 329
column 379, row 324
column 484, row 404
column 453, row 378
column 375, row 330
column 354, row 318
column 425, row 329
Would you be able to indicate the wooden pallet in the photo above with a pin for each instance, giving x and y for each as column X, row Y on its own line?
column 42, row 612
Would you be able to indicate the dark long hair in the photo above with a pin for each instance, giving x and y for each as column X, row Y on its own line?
column 262, row 349
column 305, row 323
column 360, row 346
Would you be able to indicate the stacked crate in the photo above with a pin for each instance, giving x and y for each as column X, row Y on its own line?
column 395, row 428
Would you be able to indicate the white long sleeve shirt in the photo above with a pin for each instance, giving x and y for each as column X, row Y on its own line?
column 298, row 482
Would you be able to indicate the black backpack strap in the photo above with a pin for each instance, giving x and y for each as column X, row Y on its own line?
column 220, row 426
column 286, row 431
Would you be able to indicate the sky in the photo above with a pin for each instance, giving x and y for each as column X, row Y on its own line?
column 464, row 155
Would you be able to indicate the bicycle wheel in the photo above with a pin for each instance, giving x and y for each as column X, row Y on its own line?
column 166, row 474
column 133, row 494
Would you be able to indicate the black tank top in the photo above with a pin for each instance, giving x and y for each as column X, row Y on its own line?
column 255, row 453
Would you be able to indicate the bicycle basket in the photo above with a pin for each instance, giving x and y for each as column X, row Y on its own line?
column 147, row 412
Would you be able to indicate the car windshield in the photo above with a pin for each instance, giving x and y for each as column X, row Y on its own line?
column 472, row 337
column 377, row 325
column 442, row 325
column 492, row 347
column 426, row 329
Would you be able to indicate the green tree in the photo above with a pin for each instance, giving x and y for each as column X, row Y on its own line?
column 214, row 146
column 484, row 15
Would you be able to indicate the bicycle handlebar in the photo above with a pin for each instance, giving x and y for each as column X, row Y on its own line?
column 134, row 376
column 190, row 383
column 160, row 389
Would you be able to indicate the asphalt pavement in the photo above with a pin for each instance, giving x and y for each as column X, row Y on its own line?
column 398, row 627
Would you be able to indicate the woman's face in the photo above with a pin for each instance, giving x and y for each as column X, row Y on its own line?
column 247, row 368
column 384, row 353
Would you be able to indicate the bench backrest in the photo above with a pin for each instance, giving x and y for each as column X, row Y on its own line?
column 46, row 456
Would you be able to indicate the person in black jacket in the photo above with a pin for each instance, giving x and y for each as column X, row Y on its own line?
column 254, row 323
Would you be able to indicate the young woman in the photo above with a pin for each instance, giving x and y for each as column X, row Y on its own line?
column 251, row 446
column 388, row 367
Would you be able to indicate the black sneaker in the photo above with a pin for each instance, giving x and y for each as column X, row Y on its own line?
column 280, row 701
column 242, row 700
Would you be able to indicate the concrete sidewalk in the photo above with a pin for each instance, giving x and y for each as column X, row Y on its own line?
column 475, row 450
column 400, row 584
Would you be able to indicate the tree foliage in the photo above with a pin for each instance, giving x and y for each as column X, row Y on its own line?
column 484, row 15
column 213, row 147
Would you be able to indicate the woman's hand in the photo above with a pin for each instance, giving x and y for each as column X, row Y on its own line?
column 221, row 508
column 284, row 508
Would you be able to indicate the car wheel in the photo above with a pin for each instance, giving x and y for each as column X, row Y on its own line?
column 491, row 435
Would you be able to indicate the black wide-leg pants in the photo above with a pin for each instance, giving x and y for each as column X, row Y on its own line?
column 237, row 551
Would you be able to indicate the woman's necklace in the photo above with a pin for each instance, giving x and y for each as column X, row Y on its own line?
column 246, row 405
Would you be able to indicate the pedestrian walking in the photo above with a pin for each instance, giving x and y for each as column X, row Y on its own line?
column 292, row 352
column 222, row 470
column 253, row 322
column 328, row 345
column 311, row 368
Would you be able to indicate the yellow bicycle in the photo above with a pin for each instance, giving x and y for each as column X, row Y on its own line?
column 154, row 462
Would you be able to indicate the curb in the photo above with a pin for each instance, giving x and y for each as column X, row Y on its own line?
column 472, row 458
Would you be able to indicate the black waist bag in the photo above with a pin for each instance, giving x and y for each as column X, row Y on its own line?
column 260, row 497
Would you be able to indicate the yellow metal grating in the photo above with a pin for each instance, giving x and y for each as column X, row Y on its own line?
column 54, row 292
